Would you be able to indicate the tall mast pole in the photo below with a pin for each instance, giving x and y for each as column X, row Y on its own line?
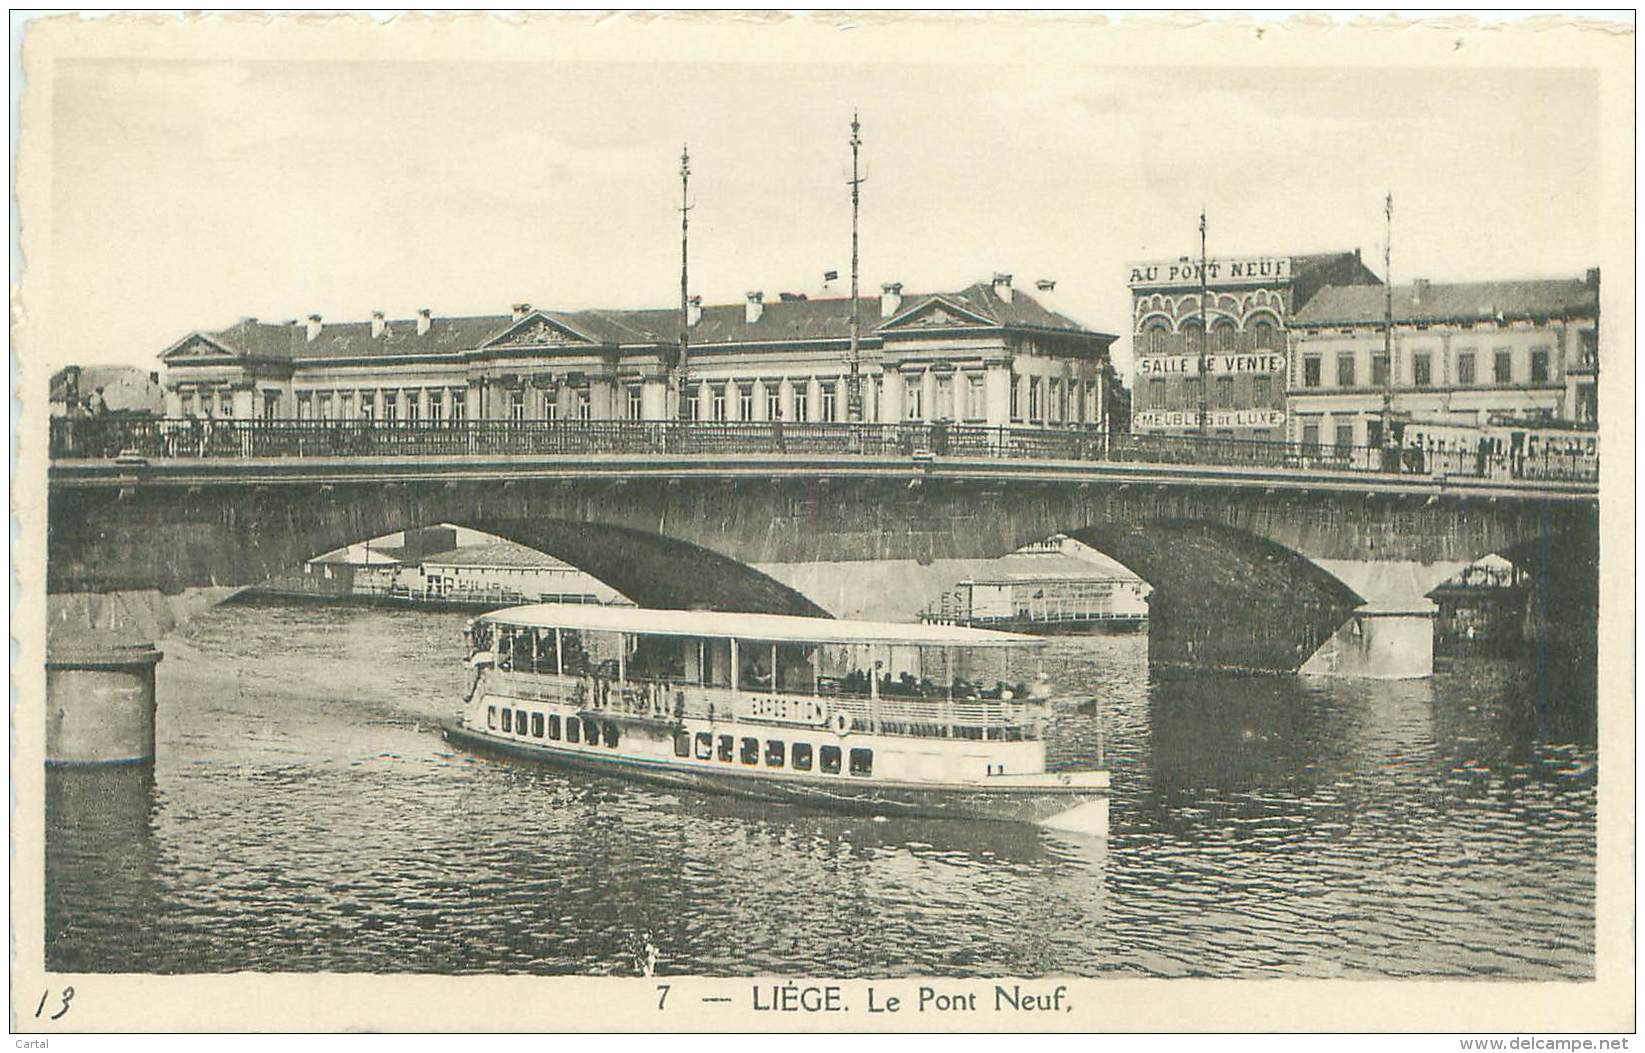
column 853, row 384
column 1204, row 320
column 1388, row 323
column 681, row 403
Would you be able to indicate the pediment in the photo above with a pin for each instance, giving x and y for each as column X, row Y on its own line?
column 198, row 347
column 937, row 313
column 539, row 330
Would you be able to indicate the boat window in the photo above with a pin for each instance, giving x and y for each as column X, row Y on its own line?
column 491, row 716
column 802, row 756
column 725, row 747
column 536, row 725
column 682, row 744
column 751, row 751
column 573, row 730
column 591, row 731
column 796, row 669
column 508, row 720
column 862, row 762
column 830, row 760
column 554, row 726
column 774, row 753
column 609, row 729
column 705, row 746
column 754, row 665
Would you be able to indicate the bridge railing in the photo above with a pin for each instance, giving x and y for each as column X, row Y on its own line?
column 190, row 438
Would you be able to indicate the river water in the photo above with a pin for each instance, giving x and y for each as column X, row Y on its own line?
column 305, row 815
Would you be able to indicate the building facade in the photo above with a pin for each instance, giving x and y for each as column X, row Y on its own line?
column 1468, row 355
column 125, row 390
column 987, row 354
column 1250, row 304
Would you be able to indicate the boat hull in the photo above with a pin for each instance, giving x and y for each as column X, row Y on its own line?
column 1074, row 805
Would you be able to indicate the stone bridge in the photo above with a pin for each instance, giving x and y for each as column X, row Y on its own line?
column 1237, row 553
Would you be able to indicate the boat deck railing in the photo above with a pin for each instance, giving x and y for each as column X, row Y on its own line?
column 670, row 700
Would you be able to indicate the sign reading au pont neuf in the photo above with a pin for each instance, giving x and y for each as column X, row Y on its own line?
column 1240, row 270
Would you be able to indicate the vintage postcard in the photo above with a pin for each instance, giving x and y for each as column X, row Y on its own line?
column 831, row 522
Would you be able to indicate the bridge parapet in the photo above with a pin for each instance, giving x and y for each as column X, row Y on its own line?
column 151, row 439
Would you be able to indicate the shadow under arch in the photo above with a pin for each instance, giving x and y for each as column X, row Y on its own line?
column 1225, row 599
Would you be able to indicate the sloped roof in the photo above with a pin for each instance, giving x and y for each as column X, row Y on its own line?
column 1459, row 301
column 779, row 321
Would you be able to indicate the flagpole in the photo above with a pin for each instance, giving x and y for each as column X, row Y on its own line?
column 1388, row 324
column 854, row 407
column 1204, row 321
column 681, row 403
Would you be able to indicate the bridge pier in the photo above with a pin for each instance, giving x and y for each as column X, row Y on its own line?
column 100, row 700
column 1379, row 642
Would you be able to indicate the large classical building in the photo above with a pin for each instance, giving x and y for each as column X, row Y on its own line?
column 1463, row 354
column 1251, row 302
column 986, row 354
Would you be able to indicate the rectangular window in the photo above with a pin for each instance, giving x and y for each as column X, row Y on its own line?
column 608, row 728
column 414, row 408
column 1036, row 408
column 829, row 760
column 1379, row 370
column 551, row 404
column 1262, row 391
column 802, row 756
column 1422, row 369
column 1345, row 435
column 391, row 406
column 745, row 402
column 1016, row 397
column 1539, row 366
column 914, row 398
column 750, row 753
column 718, row 397
column 862, row 762
column 1191, row 393
column 368, row 405
column 1310, row 371
column 491, row 716
column 1225, row 393
column 436, row 407
column 634, row 403
column 975, row 399
column 1346, row 371
column 1465, row 368
column 705, row 746
column 583, row 406
column 693, row 405
column 1055, row 414
column 1502, row 366
column 944, row 401
column 225, row 404
column 1156, row 393
column 682, row 744
column 1310, row 435
column 727, row 748
column 536, row 725
column 774, row 753
column 773, row 402
column 591, row 731
column 830, row 404
column 554, row 726
column 459, row 405
column 573, row 730
column 325, row 405
column 802, row 401
column 508, row 720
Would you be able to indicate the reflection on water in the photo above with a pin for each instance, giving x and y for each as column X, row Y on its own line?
column 305, row 815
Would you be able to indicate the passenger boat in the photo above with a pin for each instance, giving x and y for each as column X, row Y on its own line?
column 862, row 717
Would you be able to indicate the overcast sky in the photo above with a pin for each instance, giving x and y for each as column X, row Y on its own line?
column 188, row 194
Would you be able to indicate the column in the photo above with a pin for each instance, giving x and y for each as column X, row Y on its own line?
column 892, row 397
column 997, row 393
column 654, row 398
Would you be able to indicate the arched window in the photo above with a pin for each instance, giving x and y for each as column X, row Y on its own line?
column 1222, row 336
column 1157, row 340
column 1264, row 337
column 1191, row 333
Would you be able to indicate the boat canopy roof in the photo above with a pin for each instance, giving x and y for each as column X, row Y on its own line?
column 775, row 628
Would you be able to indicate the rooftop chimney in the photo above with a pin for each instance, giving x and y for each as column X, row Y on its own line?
column 425, row 320
column 313, row 326
column 890, row 298
column 1419, row 289
column 693, row 310
column 521, row 310
column 1593, row 277
column 754, row 308
column 1002, row 287
column 378, row 325
column 1047, row 288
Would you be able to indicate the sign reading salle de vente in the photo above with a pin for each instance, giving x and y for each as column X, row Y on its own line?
column 1239, row 418
column 1238, row 270
column 1188, row 365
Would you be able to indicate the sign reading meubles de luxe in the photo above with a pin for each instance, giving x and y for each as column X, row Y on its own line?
column 1240, row 418
column 1237, row 270
column 1188, row 365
